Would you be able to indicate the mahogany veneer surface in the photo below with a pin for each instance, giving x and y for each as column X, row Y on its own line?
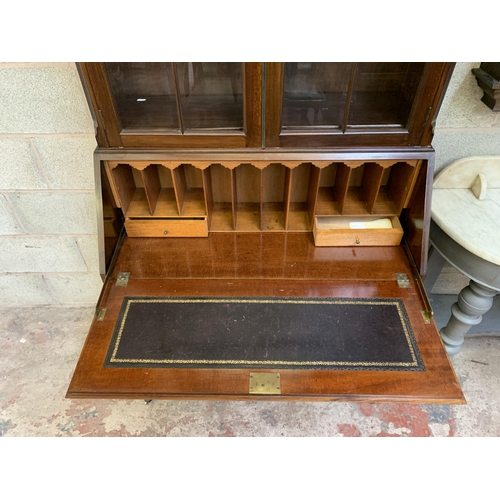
column 257, row 256
column 261, row 265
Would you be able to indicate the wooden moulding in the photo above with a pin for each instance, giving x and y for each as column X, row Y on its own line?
column 335, row 232
column 260, row 164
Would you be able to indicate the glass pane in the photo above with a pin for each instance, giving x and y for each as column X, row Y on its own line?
column 315, row 94
column 144, row 94
column 211, row 95
column 383, row 93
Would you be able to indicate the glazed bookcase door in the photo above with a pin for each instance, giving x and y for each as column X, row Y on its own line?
column 352, row 104
column 176, row 105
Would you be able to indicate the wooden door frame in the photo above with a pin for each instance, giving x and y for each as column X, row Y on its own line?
column 429, row 95
column 109, row 133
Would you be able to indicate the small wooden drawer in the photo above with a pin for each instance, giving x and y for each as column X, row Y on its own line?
column 337, row 232
column 166, row 228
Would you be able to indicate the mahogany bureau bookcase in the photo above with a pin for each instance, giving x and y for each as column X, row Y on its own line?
column 277, row 180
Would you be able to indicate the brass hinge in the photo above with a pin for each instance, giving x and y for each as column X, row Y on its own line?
column 402, row 280
column 101, row 313
column 122, row 279
column 265, row 383
column 426, row 119
column 427, row 316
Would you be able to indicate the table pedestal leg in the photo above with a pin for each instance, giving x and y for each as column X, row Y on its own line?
column 473, row 301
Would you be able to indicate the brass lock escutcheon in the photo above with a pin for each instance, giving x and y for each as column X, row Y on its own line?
column 265, row 383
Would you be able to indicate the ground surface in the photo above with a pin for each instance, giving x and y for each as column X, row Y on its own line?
column 39, row 348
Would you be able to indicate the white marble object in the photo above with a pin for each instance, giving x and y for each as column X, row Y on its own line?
column 473, row 223
column 462, row 173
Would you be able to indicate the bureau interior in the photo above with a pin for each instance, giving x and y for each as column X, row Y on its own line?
column 260, row 196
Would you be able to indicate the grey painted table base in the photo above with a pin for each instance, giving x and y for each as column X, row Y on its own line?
column 475, row 299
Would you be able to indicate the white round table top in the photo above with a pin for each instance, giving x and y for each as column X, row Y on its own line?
column 472, row 223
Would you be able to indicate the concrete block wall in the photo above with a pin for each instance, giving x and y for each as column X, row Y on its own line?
column 465, row 125
column 48, row 228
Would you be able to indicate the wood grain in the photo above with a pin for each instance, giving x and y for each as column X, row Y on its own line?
column 252, row 104
column 222, row 217
column 299, row 218
column 287, row 196
column 208, row 194
column 166, row 228
column 234, row 199
column 416, row 131
column 152, row 186
column 180, row 187
column 273, row 217
column 124, row 184
column 438, row 384
column 274, row 103
column 401, row 179
column 312, row 192
column 342, row 185
column 428, row 101
column 91, row 95
column 300, row 183
column 306, row 178
column 262, row 255
column 102, row 99
column 370, row 185
column 416, row 217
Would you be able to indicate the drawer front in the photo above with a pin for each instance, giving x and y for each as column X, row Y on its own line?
column 345, row 237
column 166, row 228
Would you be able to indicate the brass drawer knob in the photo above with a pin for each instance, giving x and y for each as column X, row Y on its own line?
column 166, row 231
column 357, row 241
